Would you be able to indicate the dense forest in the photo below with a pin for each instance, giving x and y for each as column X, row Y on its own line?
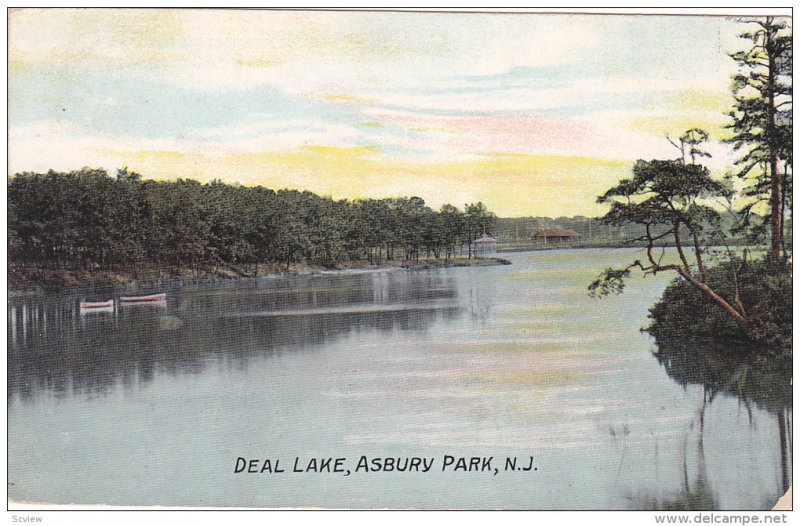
column 87, row 219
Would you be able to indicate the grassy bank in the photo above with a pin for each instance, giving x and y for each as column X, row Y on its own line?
column 31, row 280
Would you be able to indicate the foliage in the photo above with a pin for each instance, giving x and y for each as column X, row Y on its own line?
column 766, row 294
column 478, row 221
column 87, row 220
column 666, row 197
column 610, row 281
column 671, row 194
column 761, row 127
column 689, row 144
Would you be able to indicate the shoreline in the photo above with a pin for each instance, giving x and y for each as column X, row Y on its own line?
column 539, row 248
column 31, row 281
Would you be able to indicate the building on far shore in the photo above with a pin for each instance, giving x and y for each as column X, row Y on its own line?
column 554, row 235
column 485, row 245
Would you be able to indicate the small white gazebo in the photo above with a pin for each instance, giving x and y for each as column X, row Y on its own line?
column 485, row 245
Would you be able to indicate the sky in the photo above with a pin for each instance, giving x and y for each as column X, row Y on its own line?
column 532, row 114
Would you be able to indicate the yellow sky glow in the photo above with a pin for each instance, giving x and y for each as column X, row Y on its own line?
column 510, row 185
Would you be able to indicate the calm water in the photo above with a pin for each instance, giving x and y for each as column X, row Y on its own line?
column 153, row 405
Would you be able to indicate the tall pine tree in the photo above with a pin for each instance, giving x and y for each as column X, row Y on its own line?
column 762, row 120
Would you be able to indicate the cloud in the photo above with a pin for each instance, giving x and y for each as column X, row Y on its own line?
column 51, row 140
column 342, row 102
column 306, row 52
column 545, row 41
column 264, row 135
column 604, row 136
column 48, row 128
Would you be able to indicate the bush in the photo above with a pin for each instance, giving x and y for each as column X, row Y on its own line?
column 766, row 292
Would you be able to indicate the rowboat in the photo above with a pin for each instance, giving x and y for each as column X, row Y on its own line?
column 97, row 307
column 150, row 298
column 97, row 304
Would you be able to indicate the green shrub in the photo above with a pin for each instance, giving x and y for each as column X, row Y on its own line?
column 766, row 293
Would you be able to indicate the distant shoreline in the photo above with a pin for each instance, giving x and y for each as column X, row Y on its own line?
column 538, row 248
column 542, row 248
column 24, row 281
column 567, row 246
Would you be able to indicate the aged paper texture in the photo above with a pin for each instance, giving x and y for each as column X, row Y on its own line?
column 372, row 259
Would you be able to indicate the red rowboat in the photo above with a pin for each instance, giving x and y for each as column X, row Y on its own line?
column 97, row 304
column 151, row 298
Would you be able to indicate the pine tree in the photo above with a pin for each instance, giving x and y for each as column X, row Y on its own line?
column 762, row 121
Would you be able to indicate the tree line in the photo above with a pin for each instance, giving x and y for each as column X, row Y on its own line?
column 591, row 230
column 87, row 219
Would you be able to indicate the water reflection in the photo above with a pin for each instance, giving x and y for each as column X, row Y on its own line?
column 723, row 369
column 52, row 347
column 498, row 360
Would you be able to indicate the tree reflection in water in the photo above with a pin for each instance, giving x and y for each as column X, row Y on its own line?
column 54, row 349
column 729, row 369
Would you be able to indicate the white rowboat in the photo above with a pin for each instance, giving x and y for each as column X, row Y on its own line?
column 96, row 307
column 151, row 298
column 97, row 304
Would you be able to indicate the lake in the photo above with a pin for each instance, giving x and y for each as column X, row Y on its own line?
column 155, row 405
